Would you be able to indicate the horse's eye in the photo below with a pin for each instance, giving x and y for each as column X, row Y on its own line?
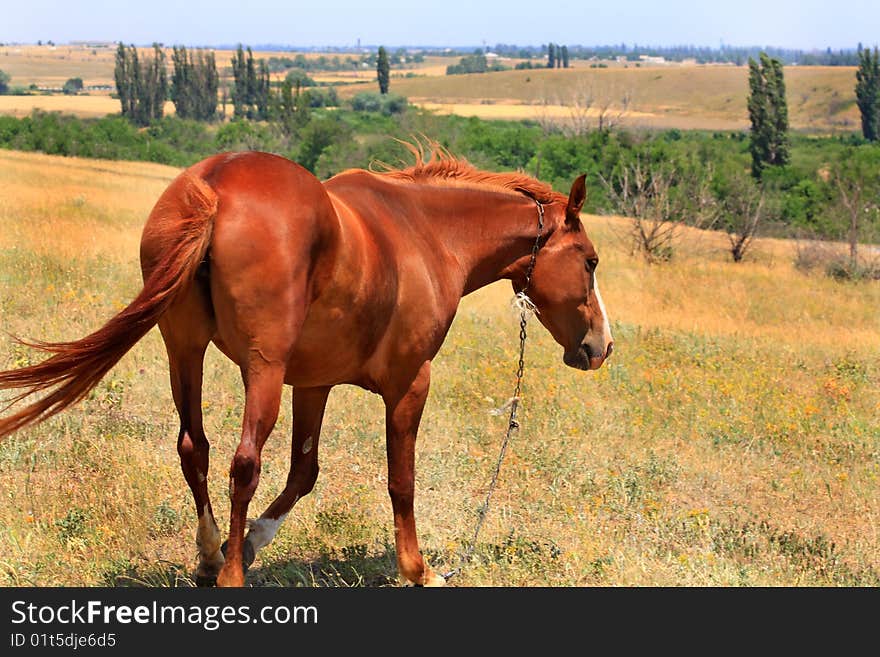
column 591, row 264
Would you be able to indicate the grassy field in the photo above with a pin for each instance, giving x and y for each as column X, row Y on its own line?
column 51, row 66
column 85, row 106
column 733, row 438
column 687, row 97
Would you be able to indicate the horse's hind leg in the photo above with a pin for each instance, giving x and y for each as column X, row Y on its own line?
column 263, row 380
column 308, row 413
column 187, row 329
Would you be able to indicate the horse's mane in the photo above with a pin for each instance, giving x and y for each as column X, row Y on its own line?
column 434, row 164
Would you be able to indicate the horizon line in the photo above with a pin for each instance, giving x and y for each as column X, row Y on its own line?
column 282, row 47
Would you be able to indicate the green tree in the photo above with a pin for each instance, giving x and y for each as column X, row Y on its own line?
column 868, row 92
column 250, row 95
column 152, row 90
column 250, row 84
column 73, row 86
column 4, row 82
column 239, row 90
column 768, row 113
column 476, row 63
column 551, row 56
column 208, row 82
column 285, row 106
column 564, row 56
column 383, row 70
column 856, row 179
column 262, row 91
column 293, row 106
column 319, row 135
column 124, row 77
column 181, row 83
column 142, row 86
column 194, row 84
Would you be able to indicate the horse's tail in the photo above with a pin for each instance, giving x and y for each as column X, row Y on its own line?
column 182, row 222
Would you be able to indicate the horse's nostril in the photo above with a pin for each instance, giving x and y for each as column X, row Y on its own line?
column 609, row 349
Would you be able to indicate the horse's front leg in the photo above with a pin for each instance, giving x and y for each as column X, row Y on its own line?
column 403, row 411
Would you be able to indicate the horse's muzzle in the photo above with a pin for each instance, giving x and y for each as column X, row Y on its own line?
column 585, row 357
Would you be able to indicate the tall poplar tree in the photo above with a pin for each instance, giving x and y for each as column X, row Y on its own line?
column 194, row 84
column 142, row 86
column 768, row 113
column 383, row 70
column 868, row 92
column 239, row 90
column 250, row 95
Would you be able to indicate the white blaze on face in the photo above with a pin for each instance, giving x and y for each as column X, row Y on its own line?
column 263, row 530
column 606, row 326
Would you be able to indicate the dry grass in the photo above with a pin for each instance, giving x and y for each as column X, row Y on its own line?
column 52, row 66
column 707, row 97
column 687, row 97
column 85, row 106
column 562, row 115
column 733, row 439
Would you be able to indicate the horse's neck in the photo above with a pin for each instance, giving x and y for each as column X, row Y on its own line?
column 491, row 234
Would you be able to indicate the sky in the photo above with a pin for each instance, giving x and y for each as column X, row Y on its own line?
column 803, row 24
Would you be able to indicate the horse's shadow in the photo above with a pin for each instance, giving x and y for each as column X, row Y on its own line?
column 351, row 567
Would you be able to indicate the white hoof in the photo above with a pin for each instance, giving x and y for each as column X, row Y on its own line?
column 433, row 579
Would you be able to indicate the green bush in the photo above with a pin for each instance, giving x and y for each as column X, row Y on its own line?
column 320, row 134
column 244, row 135
column 298, row 75
column 371, row 101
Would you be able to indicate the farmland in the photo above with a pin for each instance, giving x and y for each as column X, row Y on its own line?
column 706, row 97
column 732, row 439
column 684, row 97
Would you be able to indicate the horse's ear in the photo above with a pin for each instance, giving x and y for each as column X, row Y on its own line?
column 576, row 199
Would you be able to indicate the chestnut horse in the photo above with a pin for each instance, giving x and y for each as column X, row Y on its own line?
column 355, row 280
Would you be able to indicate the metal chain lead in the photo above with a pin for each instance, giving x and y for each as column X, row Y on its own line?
column 525, row 308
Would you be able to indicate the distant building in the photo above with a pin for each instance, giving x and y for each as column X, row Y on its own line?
column 93, row 44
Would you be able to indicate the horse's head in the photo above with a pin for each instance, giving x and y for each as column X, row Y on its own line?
column 564, row 287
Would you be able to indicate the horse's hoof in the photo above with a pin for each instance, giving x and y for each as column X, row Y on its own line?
column 203, row 581
column 248, row 554
column 433, row 579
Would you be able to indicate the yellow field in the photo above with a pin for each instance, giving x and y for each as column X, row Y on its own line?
column 51, row 66
column 732, row 439
column 710, row 97
column 819, row 98
column 90, row 106
column 562, row 115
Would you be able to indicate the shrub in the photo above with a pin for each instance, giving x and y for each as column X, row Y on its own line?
column 299, row 76
column 387, row 104
column 240, row 134
column 318, row 135
column 73, row 86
